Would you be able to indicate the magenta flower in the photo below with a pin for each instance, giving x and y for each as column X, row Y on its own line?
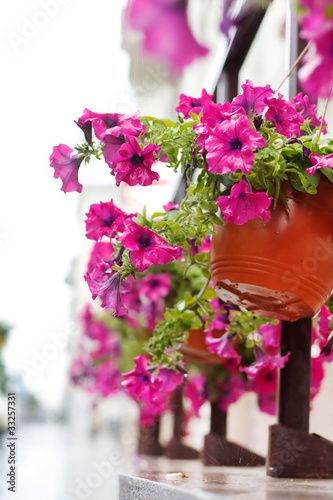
column 264, row 360
column 66, row 166
column 169, row 379
column 212, row 115
column 265, row 381
column 146, row 247
column 270, row 335
column 230, row 146
column 319, row 161
column 196, row 391
column 241, row 205
column 170, row 206
column 302, row 105
column 102, row 250
column 112, row 145
column 133, row 165
column 107, row 379
column 166, row 30
column 140, row 383
column 324, row 322
column 222, row 346
column 230, row 392
column 267, row 403
column 155, row 286
column 316, row 75
column 285, row 118
column 317, row 375
column 106, row 283
column 105, row 219
column 253, row 98
column 118, row 123
column 193, row 104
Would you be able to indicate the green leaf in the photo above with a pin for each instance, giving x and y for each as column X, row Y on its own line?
column 328, row 172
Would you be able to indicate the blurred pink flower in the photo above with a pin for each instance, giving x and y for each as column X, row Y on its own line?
column 222, row 345
column 66, row 166
column 102, row 250
column 270, row 335
column 170, row 206
column 264, row 360
column 230, row 392
column 140, row 384
column 195, row 389
column 242, row 205
column 167, row 34
column 230, row 146
column 154, row 286
column 106, row 283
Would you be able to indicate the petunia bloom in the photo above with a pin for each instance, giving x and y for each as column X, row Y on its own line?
column 140, row 383
column 170, row 206
column 230, row 146
column 193, row 104
column 155, row 286
column 264, row 360
column 253, row 98
column 270, row 335
column 133, row 165
column 117, row 122
column 242, row 205
column 230, row 392
column 285, row 118
column 319, row 161
column 66, row 166
column 146, row 247
column 102, row 250
column 105, row 219
column 112, row 144
column 222, row 345
column 106, row 283
column 303, row 106
column 166, row 30
column 196, row 391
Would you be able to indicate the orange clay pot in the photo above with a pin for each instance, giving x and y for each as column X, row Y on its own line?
column 195, row 348
column 282, row 268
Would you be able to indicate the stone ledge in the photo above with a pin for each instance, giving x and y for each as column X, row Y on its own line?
column 151, row 480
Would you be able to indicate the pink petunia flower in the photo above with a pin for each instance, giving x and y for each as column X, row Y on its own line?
column 222, row 345
column 157, row 20
column 66, row 166
column 270, row 335
column 264, row 360
column 105, row 219
column 241, row 205
column 253, row 98
column 140, row 383
column 155, row 286
column 103, row 123
column 230, row 146
column 230, row 392
column 285, row 118
column 212, row 115
column 170, row 379
column 303, row 106
column 133, row 165
column 146, row 247
column 317, row 375
column 170, row 206
column 189, row 104
column 316, row 75
column 265, row 381
column 267, row 403
column 106, row 283
column 102, row 250
column 112, row 144
column 319, row 161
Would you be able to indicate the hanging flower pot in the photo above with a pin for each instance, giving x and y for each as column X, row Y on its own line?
column 283, row 267
column 195, row 347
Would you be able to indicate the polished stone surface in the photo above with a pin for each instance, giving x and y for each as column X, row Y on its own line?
column 163, row 479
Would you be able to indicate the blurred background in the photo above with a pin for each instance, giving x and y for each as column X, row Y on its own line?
column 58, row 58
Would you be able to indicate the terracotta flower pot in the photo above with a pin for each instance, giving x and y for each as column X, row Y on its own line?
column 195, row 348
column 282, row 268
